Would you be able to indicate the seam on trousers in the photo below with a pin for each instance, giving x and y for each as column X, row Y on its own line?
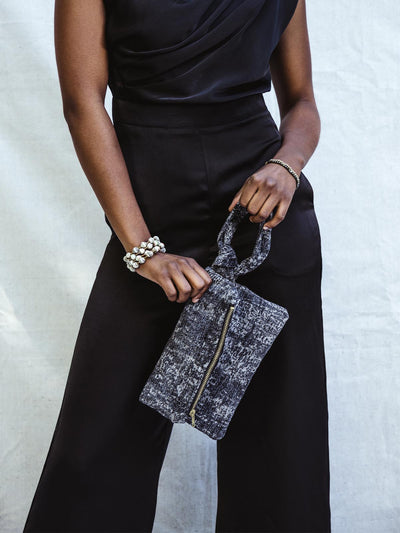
column 210, row 193
column 207, row 171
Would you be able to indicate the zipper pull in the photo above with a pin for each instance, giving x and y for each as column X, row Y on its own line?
column 192, row 414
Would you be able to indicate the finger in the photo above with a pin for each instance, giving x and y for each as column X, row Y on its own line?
column 235, row 199
column 205, row 277
column 195, row 279
column 169, row 289
column 257, row 204
column 207, row 282
column 266, row 208
column 202, row 272
column 197, row 298
column 204, row 280
column 182, row 284
column 245, row 193
column 250, row 189
column 278, row 216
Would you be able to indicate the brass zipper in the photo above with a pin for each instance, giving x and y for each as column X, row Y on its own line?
column 212, row 363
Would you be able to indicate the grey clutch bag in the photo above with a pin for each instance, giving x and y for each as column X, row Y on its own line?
column 217, row 343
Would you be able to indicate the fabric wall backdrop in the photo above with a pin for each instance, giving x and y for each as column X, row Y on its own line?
column 53, row 235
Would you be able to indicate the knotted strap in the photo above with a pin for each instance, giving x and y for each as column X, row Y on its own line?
column 226, row 262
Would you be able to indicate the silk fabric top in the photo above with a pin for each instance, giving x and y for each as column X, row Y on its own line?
column 192, row 50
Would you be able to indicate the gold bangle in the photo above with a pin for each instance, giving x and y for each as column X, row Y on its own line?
column 288, row 168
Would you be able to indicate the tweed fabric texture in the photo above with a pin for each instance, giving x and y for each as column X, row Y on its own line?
column 218, row 342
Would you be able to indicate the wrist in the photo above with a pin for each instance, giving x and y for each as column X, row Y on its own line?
column 130, row 243
column 286, row 166
column 145, row 250
column 295, row 161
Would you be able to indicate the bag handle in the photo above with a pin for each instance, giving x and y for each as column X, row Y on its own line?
column 226, row 262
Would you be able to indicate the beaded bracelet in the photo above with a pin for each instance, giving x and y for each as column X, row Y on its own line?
column 142, row 252
column 288, row 168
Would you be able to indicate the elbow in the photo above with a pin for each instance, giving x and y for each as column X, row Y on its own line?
column 296, row 100
column 306, row 105
column 72, row 110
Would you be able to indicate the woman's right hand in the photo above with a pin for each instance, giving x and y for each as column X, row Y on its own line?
column 179, row 276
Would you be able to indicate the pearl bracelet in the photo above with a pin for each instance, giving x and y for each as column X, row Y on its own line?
column 142, row 252
column 288, row 168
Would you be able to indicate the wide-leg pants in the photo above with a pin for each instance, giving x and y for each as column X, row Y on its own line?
column 186, row 162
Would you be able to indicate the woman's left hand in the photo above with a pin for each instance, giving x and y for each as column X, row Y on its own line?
column 269, row 187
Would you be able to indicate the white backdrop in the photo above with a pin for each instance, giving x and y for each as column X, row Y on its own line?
column 53, row 235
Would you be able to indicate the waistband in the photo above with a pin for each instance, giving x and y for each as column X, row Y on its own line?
column 196, row 114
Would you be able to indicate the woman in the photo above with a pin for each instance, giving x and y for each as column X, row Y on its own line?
column 190, row 137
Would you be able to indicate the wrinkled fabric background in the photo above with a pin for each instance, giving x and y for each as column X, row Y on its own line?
column 53, row 235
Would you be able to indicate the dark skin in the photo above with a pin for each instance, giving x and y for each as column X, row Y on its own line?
column 83, row 73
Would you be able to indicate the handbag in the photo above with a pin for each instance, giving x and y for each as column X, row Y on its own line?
column 218, row 342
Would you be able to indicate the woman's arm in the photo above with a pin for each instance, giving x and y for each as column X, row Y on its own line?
column 290, row 63
column 83, row 73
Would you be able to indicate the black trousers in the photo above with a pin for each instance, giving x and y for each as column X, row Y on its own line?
column 101, row 473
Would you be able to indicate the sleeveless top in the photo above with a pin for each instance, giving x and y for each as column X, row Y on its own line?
column 192, row 50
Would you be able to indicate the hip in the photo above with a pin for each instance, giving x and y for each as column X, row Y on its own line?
column 187, row 161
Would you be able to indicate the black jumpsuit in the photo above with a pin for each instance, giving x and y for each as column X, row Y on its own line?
column 187, row 78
